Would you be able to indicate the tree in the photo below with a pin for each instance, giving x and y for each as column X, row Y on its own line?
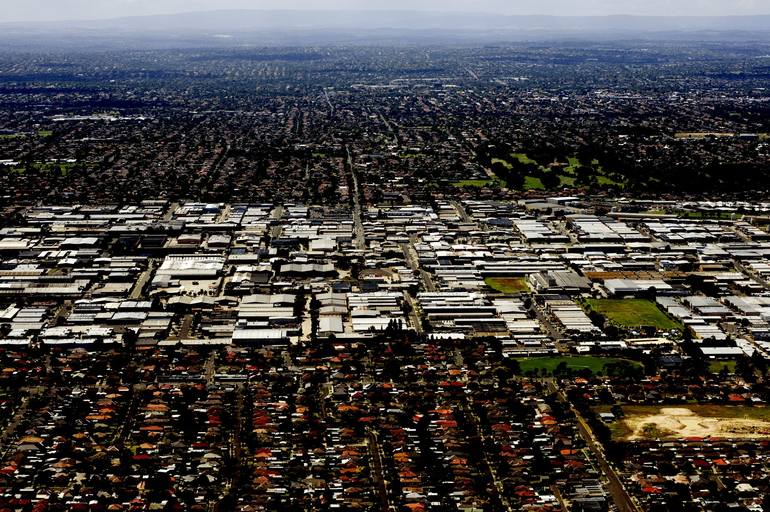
column 514, row 366
column 744, row 368
column 597, row 318
column 650, row 293
column 759, row 362
column 561, row 369
column 130, row 338
column 550, row 180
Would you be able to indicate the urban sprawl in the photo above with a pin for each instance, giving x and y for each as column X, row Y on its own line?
column 385, row 279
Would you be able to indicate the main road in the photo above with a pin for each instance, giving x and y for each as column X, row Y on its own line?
column 412, row 259
column 618, row 491
column 137, row 292
column 360, row 240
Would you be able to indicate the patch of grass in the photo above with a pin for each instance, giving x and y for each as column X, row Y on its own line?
column 63, row 168
column 548, row 364
column 533, row 183
column 523, row 158
column 719, row 215
column 504, row 163
column 10, row 136
column 631, row 313
column 572, row 164
column 604, row 180
column 44, row 133
column 507, row 285
column 716, row 366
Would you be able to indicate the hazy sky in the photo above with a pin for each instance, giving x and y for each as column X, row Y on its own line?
column 39, row 10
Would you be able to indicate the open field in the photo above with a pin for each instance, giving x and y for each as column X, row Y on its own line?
column 692, row 421
column 632, row 313
column 509, row 285
column 549, row 364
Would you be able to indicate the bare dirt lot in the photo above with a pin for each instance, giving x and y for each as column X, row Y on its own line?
column 693, row 421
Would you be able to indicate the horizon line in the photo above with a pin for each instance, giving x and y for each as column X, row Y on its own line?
column 405, row 11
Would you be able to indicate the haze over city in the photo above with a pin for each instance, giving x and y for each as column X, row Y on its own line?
column 46, row 10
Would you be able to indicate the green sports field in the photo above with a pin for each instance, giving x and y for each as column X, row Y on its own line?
column 596, row 365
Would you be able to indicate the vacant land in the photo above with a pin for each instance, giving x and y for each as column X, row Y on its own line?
column 630, row 313
column 695, row 421
column 549, row 364
column 508, row 285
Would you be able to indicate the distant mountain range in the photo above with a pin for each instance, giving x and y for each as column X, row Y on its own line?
column 246, row 20
column 359, row 25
